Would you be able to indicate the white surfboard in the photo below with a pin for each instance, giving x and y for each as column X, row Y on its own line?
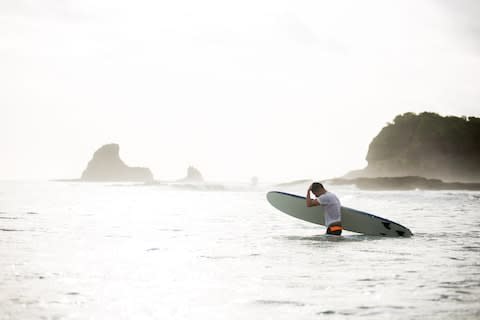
column 352, row 220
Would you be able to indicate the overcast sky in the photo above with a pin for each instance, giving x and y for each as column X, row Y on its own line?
column 277, row 89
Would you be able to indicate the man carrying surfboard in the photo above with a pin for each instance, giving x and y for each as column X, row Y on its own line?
column 331, row 204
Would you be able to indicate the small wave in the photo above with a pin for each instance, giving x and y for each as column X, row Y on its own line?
column 433, row 236
column 316, row 238
column 367, row 280
column 169, row 230
column 31, row 212
column 281, row 302
column 464, row 284
column 330, row 238
column 396, row 307
column 218, row 257
column 10, row 230
column 447, row 297
column 471, row 248
column 365, row 307
column 117, row 236
column 456, row 258
column 463, row 292
column 327, row 312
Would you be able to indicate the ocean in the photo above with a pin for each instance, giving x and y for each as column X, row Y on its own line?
column 72, row 250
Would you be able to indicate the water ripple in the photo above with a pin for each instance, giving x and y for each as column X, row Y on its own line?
column 281, row 302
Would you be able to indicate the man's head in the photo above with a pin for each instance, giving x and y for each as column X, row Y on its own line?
column 318, row 189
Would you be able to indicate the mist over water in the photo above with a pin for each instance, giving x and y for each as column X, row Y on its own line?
column 119, row 251
column 235, row 89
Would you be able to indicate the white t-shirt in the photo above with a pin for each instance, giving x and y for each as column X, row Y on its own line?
column 332, row 207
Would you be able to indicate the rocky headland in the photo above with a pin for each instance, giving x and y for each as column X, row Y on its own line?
column 404, row 183
column 425, row 145
column 107, row 166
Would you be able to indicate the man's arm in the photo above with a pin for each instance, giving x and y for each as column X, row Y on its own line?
column 311, row 202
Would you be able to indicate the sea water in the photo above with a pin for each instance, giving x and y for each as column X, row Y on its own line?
column 112, row 251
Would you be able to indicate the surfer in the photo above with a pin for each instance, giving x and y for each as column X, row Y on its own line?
column 331, row 204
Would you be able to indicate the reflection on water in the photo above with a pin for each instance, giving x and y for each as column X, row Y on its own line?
column 77, row 251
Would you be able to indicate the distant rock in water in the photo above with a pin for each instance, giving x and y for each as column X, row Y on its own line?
column 106, row 165
column 426, row 145
column 193, row 176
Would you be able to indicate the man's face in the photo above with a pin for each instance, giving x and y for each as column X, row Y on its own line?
column 317, row 192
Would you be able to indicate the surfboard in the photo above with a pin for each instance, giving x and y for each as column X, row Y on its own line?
column 352, row 220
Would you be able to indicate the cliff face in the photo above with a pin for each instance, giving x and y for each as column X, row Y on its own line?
column 106, row 165
column 426, row 145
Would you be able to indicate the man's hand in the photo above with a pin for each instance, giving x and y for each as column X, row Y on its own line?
column 310, row 202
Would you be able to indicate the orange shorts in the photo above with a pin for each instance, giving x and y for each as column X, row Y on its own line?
column 335, row 230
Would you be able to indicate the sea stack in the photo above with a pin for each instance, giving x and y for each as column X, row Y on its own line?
column 193, row 176
column 106, row 165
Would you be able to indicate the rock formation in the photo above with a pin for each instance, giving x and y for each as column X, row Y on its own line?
column 426, row 145
column 106, row 165
column 193, row 176
column 405, row 183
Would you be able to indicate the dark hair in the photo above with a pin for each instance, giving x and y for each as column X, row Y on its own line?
column 316, row 186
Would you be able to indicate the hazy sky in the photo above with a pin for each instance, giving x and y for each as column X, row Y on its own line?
column 276, row 89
